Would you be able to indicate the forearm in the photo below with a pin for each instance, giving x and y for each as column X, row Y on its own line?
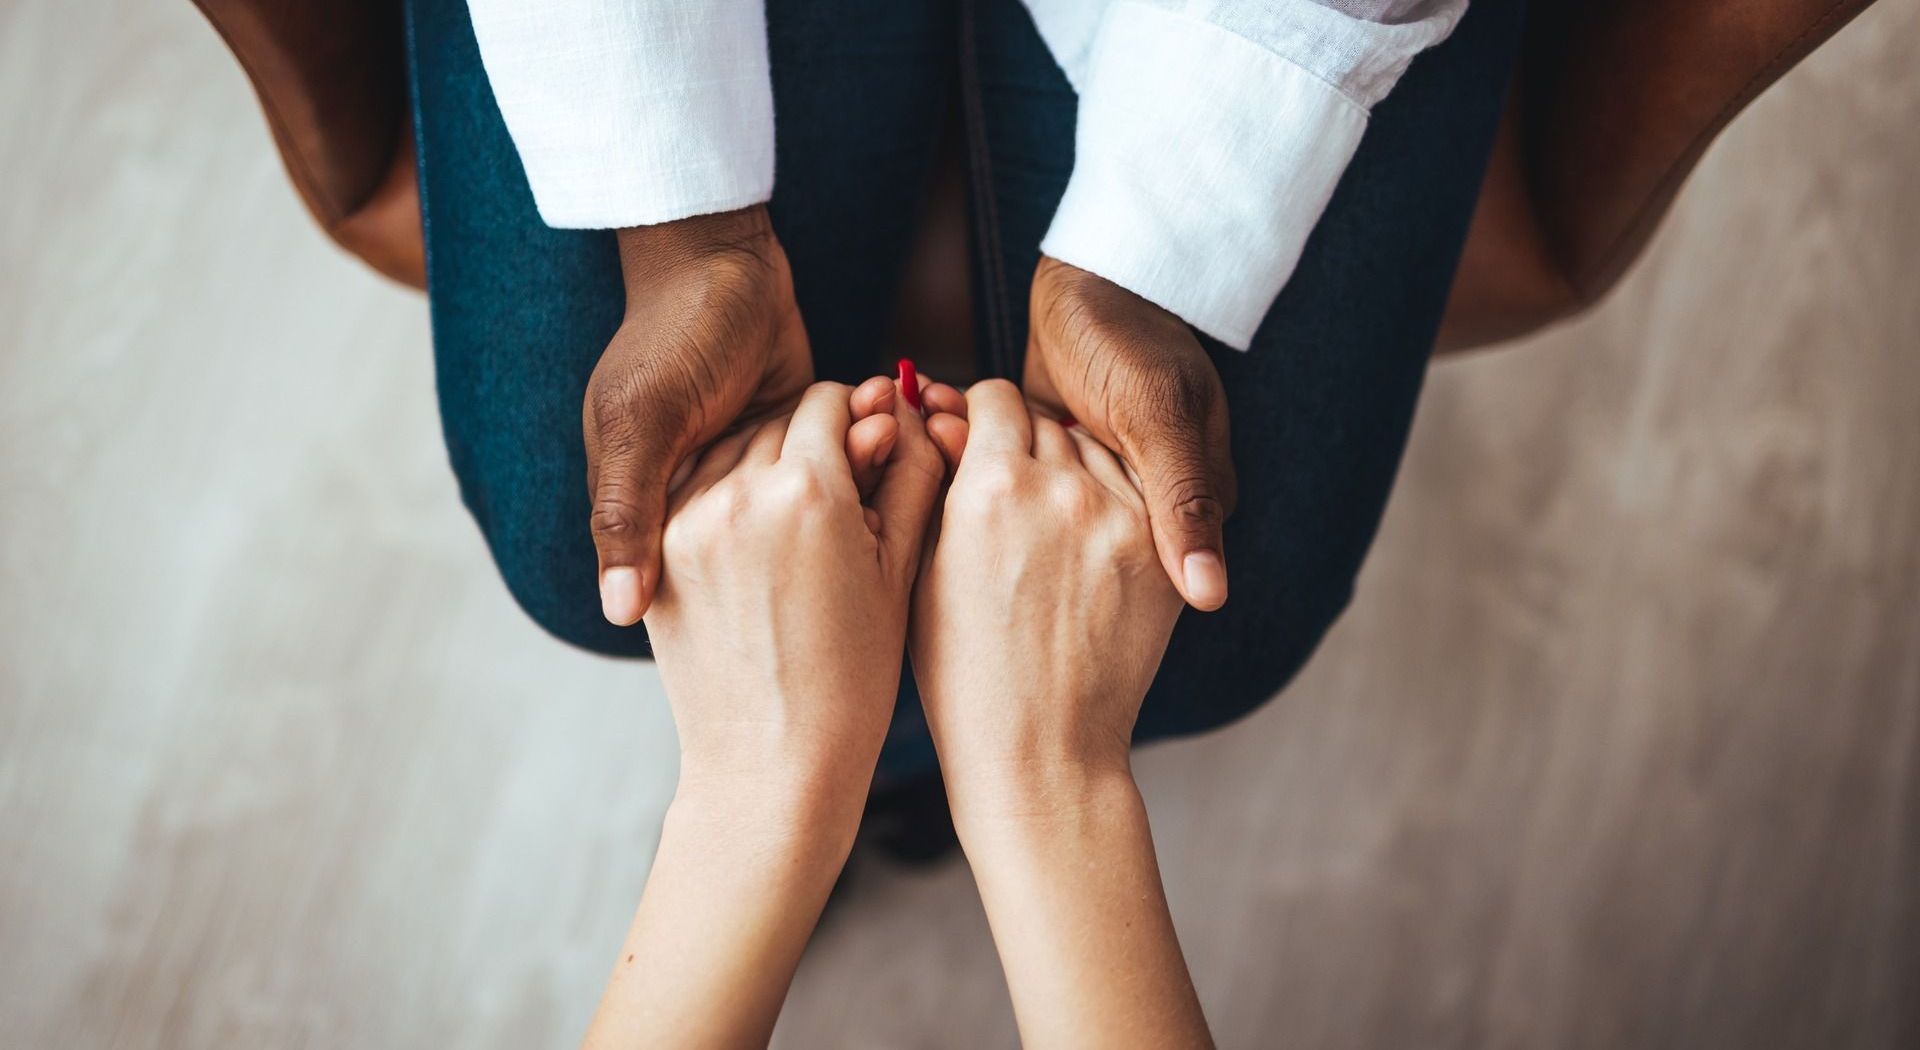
column 748, row 853
column 1064, row 861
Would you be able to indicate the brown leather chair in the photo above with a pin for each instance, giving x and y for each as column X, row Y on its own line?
column 1612, row 107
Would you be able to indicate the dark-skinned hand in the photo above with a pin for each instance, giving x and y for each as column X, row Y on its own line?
column 712, row 337
column 1137, row 379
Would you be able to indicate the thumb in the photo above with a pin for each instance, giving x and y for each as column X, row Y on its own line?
column 1186, row 475
column 629, row 470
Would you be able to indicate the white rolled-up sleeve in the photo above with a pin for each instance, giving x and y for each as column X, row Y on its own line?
column 1211, row 136
column 633, row 113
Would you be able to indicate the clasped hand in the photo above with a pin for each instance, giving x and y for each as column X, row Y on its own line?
column 803, row 552
column 784, row 558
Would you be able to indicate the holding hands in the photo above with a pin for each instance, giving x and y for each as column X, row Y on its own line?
column 791, row 548
column 793, row 551
column 1136, row 378
column 713, row 335
column 1038, row 625
column 1042, row 613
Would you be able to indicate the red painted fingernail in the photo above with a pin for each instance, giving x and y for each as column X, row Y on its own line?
column 1067, row 421
column 910, row 384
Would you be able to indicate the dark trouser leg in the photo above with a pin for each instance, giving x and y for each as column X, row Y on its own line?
column 521, row 312
column 1322, row 403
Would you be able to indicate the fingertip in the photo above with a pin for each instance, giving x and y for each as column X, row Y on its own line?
column 870, row 443
column 949, row 433
column 873, row 397
column 994, row 388
column 622, row 600
column 867, row 436
column 1204, row 580
column 909, row 383
column 939, row 397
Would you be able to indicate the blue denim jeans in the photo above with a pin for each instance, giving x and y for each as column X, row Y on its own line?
column 1320, row 405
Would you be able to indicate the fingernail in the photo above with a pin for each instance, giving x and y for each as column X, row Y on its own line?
column 1206, row 578
column 1068, row 421
column 620, row 595
column 910, row 384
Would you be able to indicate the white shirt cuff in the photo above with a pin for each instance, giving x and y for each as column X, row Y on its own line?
column 630, row 114
column 1202, row 161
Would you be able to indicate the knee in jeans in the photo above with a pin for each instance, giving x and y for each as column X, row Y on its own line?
column 554, row 585
column 1223, row 666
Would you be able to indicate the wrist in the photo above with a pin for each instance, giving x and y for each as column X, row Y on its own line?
column 1037, row 797
column 647, row 252
column 794, row 812
column 765, row 780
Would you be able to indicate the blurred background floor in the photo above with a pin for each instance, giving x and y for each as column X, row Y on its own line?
column 1618, row 746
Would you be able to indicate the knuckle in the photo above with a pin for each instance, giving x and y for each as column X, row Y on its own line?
column 730, row 509
column 1072, row 498
column 617, row 520
column 797, row 494
column 988, row 483
column 704, row 529
column 1192, row 506
column 686, row 538
column 1116, row 540
column 982, row 495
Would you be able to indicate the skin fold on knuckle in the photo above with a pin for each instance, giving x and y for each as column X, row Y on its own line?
column 618, row 521
column 1189, row 505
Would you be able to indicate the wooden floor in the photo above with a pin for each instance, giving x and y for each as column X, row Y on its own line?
column 1619, row 745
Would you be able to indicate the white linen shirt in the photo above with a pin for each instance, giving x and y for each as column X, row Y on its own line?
column 1211, row 132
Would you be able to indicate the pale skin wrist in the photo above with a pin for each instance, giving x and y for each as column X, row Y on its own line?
column 1063, row 857
column 1017, row 771
column 776, row 796
column 782, row 751
column 778, row 627
column 749, row 850
column 1013, row 803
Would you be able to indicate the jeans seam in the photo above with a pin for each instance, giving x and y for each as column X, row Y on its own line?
column 986, row 210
